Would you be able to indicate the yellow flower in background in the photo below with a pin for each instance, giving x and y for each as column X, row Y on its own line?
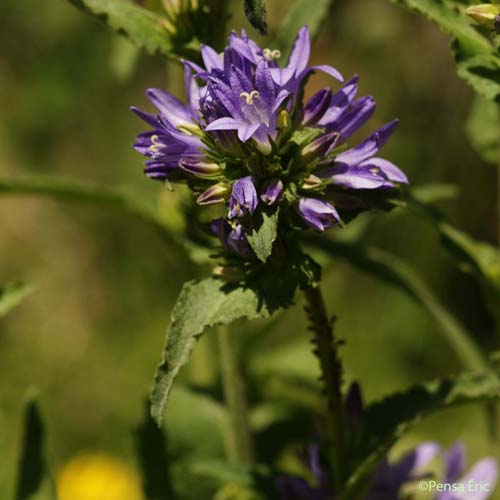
column 96, row 476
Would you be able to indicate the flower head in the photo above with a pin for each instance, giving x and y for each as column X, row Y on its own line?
column 247, row 140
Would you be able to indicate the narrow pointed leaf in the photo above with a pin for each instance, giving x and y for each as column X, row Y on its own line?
column 32, row 466
column 87, row 193
column 201, row 304
column 12, row 294
column 153, row 459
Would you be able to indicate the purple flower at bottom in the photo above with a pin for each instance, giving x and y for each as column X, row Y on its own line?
column 296, row 488
column 243, row 197
column 390, row 477
column 317, row 214
column 484, row 473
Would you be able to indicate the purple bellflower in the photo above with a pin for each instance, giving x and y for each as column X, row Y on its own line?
column 390, row 478
column 247, row 141
column 476, row 484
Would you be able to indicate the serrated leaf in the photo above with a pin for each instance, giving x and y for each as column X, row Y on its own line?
column 143, row 27
column 392, row 270
column 262, row 239
column 388, row 420
column 153, row 459
column 301, row 13
column 201, row 304
column 477, row 59
column 12, row 294
column 255, row 10
column 32, row 466
column 483, row 129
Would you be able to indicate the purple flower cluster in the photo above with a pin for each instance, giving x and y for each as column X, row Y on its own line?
column 247, row 140
column 390, row 478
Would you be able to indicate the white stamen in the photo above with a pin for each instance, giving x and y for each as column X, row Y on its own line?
column 155, row 144
column 270, row 55
column 250, row 96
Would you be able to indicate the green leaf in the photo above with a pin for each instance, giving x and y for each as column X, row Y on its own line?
column 153, row 459
column 78, row 192
column 478, row 257
column 395, row 271
column 143, row 27
column 386, row 421
column 301, row 13
column 201, row 304
column 306, row 135
column 12, row 294
column 434, row 192
column 261, row 240
column 477, row 59
column 255, row 10
column 123, row 58
column 483, row 129
column 32, row 466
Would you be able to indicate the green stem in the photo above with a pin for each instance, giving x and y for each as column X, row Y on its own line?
column 238, row 438
column 331, row 371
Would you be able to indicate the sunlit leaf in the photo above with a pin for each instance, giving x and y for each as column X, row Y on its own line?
column 255, row 10
column 12, row 294
column 201, row 304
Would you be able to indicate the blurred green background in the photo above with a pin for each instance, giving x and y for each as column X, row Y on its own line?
column 91, row 335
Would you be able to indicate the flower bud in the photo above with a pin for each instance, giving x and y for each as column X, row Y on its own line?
column 311, row 182
column 201, row 169
column 485, row 14
column 217, row 193
column 283, row 119
column 320, row 147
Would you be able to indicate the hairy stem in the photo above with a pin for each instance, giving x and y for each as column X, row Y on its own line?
column 238, row 438
column 331, row 374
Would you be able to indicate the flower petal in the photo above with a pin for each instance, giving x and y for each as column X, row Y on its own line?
column 369, row 146
column 170, row 107
column 301, row 50
column 387, row 168
column 210, row 58
column 223, row 124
